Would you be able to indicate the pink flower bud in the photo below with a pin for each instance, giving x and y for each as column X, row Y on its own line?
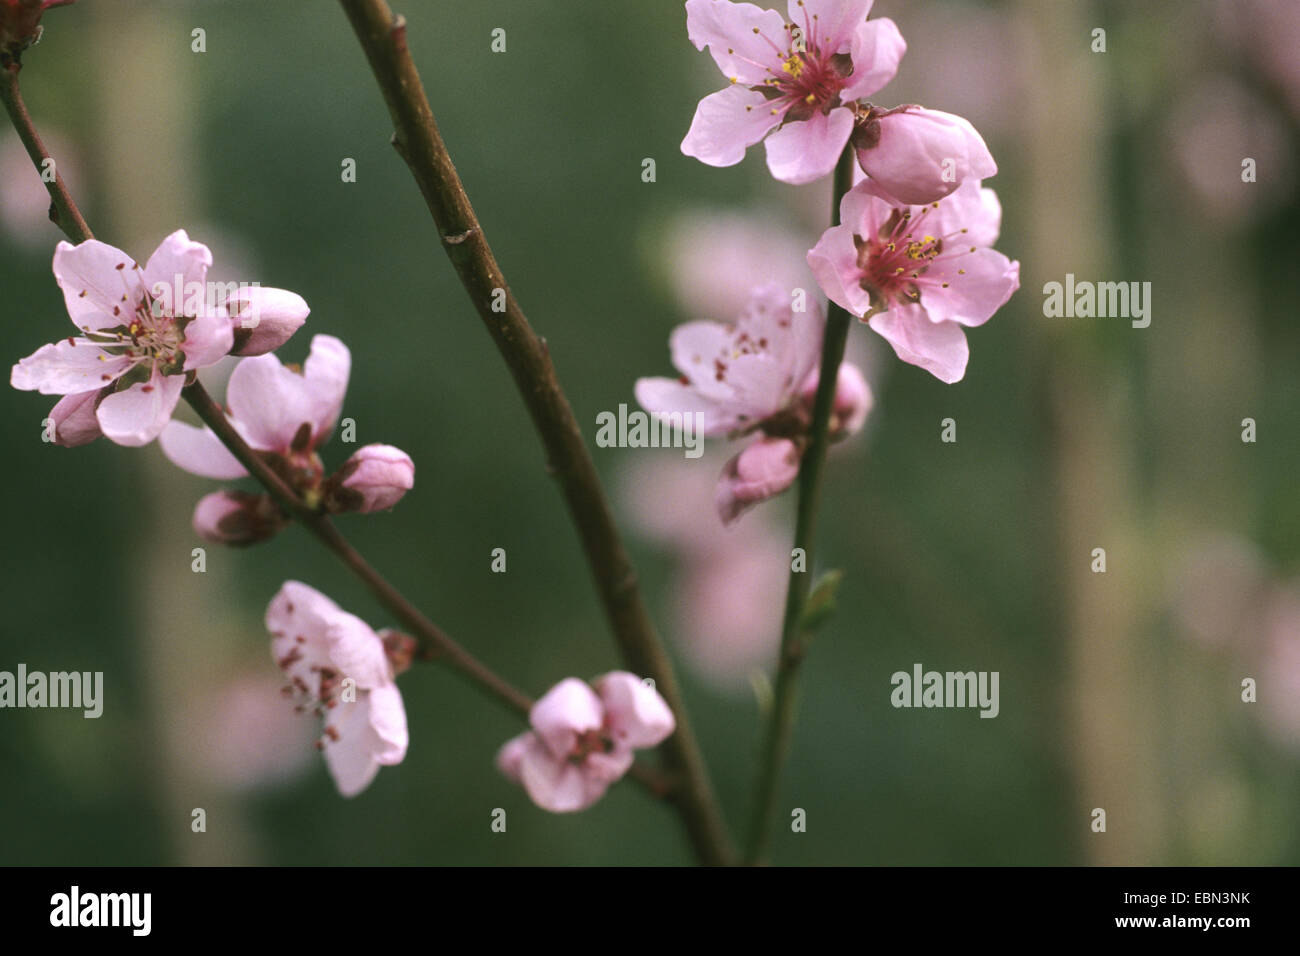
column 374, row 479
column 919, row 156
column 853, row 400
column 264, row 319
column 765, row 468
column 74, row 419
column 236, row 518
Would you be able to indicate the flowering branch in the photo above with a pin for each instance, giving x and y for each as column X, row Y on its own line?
column 793, row 630
column 417, row 140
column 435, row 643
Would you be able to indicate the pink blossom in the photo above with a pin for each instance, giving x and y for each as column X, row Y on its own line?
column 241, row 737
column 237, row 518
column 134, row 333
column 729, row 584
column 277, row 410
column 337, row 666
column 766, row 467
column 583, row 740
column 852, row 403
column 917, row 155
column 374, row 479
column 714, row 258
column 740, row 375
column 799, row 79
column 925, row 272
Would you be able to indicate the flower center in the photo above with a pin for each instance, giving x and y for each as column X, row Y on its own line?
column 894, row 262
column 147, row 335
column 590, row 742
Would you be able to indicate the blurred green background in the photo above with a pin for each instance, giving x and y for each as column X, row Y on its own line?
column 1116, row 691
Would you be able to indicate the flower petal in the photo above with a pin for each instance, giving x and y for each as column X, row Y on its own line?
column 181, row 266
column 352, row 759
column 829, row 24
column 356, row 650
column 877, row 49
column 556, row 784
column 727, row 123
column 970, row 210
column 326, row 372
column 938, row 347
column 138, row 415
column 511, row 756
column 804, row 151
column 208, row 339
column 635, row 714
column 96, row 278
column 834, row 261
column 764, row 469
column 971, row 298
column 745, row 40
column 566, row 710
column 199, row 451
column 664, row 397
column 388, row 724
column 68, row 367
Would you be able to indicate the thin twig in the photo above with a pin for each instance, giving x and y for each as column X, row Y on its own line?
column 417, row 140
column 781, row 722
column 435, row 644
column 63, row 211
